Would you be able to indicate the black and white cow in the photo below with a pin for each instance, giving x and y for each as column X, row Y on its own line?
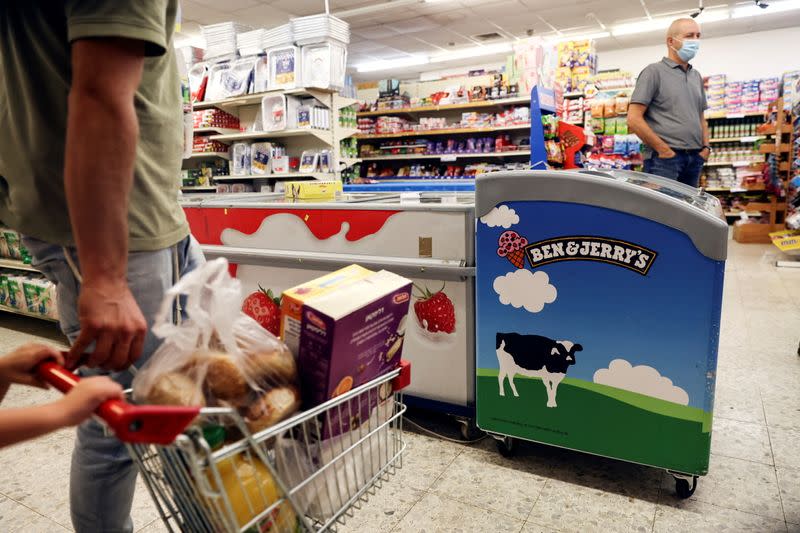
column 534, row 356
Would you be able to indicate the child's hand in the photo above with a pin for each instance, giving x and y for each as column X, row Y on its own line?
column 85, row 397
column 18, row 366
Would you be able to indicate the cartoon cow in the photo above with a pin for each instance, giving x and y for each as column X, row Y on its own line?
column 534, row 356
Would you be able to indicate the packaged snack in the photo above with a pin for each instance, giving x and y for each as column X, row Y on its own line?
column 3, row 288
column 15, row 295
column 240, row 159
column 621, row 125
column 609, row 108
column 348, row 328
column 11, row 238
column 621, row 105
column 610, row 126
column 39, row 296
column 218, row 355
column 260, row 157
column 598, row 108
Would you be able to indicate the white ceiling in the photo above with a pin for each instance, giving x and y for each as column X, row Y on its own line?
column 396, row 32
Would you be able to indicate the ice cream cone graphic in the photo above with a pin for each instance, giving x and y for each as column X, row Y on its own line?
column 511, row 246
column 517, row 258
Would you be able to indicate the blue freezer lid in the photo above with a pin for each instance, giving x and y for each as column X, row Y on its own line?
column 668, row 202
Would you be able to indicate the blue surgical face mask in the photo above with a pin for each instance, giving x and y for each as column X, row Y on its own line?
column 689, row 49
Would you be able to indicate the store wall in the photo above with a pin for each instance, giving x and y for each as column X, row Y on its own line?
column 742, row 57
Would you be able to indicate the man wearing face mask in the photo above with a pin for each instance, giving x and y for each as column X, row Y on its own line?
column 667, row 107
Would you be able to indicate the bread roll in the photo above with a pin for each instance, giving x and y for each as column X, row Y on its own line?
column 224, row 379
column 172, row 388
column 271, row 407
column 274, row 367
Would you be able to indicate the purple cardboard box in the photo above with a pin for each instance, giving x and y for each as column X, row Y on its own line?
column 348, row 337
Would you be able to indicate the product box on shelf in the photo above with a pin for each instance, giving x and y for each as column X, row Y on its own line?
column 279, row 112
column 317, row 189
column 284, row 68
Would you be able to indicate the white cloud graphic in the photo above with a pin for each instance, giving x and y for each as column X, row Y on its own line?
column 523, row 288
column 642, row 379
column 500, row 216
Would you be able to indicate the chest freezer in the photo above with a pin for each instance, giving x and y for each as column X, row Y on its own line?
column 276, row 243
column 598, row 314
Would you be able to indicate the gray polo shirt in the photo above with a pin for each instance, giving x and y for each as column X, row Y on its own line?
column 675, row 100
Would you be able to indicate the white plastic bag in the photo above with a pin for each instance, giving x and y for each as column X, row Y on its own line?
column 218, row 355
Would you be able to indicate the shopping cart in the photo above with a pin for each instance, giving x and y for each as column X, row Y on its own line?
column 307, row 473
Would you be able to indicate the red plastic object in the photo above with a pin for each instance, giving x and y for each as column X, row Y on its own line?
column 147, row 424
column 404, row 379
column 573, row 138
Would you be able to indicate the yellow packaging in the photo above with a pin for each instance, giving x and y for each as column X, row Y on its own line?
column 305, row 190
column 293, row 299
column 787, row 240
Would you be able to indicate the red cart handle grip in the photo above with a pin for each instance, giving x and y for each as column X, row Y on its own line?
column 151, row 424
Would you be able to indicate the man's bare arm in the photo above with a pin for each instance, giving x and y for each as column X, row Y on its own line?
column 638, row 125
column 102, row 132
column 706, row 136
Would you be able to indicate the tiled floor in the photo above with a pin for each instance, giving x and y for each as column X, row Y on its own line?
column 753, row 484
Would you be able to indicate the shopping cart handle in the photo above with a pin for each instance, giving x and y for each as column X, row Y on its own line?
column 403, row 380
column 148, row 424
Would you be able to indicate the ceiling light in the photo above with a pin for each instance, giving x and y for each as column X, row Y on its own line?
column 473, row 51
column 714, row 15
column 641, row 26
column 774, row 7
column 387, row 64
column 582, row 37
column 374, row 8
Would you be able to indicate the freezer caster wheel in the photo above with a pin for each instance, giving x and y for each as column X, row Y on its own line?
column 506, row 446
column 469, row 430
column 682, row 487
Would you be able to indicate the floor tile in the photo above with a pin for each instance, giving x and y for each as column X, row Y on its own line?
column 424, row 460
column 437, row 514
column 707, row 518
column 744, row 404
column 782, row 406
column 734, row 484
column 785, row 443
column 789, row 483
column 156, row 526
column 741, row 440
column 587, row 493
column 488, row 480
column 383, row 509
column 531, row 527
column 15, row 517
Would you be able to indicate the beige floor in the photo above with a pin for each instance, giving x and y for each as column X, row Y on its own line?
column 753, row 484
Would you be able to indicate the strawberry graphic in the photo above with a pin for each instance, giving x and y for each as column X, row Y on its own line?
column 265, row 308
column 435, row 311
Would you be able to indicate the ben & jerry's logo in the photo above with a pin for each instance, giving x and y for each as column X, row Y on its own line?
column 612, row 251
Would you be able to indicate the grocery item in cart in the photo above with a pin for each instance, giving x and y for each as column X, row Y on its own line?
column 218, row 355
column 350, row 332
column 250, row 488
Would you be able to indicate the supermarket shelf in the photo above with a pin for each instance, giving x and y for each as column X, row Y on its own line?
column 347, row 162
column 450, row 131
column 733, row 163
column 732, row 116
column 315, row 175
column 16, row 264
column 747, row 139
column 323, row 135
column 253, row 99
column 206, row 155
column 16, row 311
column 446, row 157
column 446, row 107
column 738, row 213
column 215, row 130
column 576, row 94
column 199, row 188
column 344, row 133
column 770, row 148
column 712, row 190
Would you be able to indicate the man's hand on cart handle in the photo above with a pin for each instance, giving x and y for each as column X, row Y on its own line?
column 111, row 319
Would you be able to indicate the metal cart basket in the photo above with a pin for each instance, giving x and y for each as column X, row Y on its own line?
column 307, row 473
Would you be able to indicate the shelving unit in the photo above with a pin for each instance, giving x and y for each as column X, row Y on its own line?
column 16, row 264
column 248, row 107
column 15, row 311
column 450, row 131
column 447, row 157
column 478, row 104
column 743, row 140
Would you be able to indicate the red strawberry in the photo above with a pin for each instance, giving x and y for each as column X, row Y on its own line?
column 265, row 308
column 435, row 312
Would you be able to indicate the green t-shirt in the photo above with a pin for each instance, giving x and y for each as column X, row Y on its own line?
column 35, row 72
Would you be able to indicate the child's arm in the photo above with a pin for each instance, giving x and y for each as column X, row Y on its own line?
column 26, row 423
column 18, row 366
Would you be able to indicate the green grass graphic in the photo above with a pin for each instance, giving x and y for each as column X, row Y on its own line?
column 598, row 419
